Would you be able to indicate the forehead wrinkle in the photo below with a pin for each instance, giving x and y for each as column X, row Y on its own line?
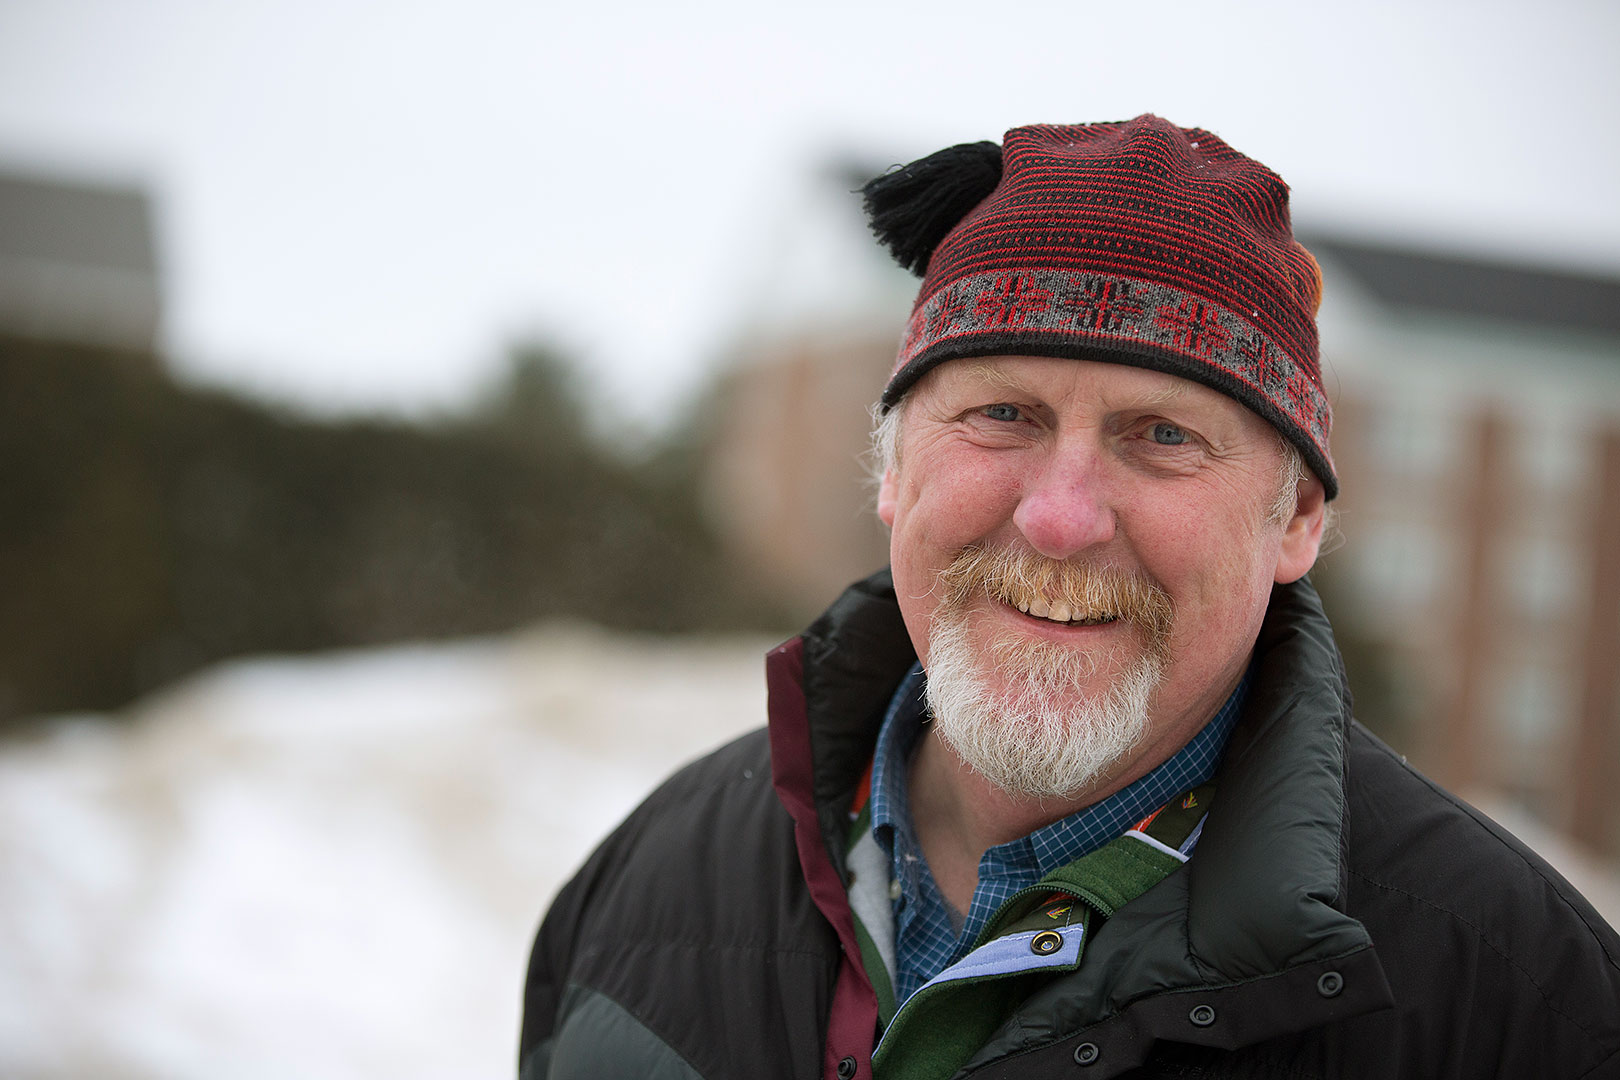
column 991, row 373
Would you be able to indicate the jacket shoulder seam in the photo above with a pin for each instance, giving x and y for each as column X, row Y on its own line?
column 1612, row 1059
column 1484, row 940
column 707, row 777
column 1470, row 813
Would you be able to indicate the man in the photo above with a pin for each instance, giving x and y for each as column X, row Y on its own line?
column 1077, row 792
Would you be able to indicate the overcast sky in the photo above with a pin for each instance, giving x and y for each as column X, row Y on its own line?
column 361, row 203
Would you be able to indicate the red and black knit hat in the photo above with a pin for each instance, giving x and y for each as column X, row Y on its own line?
column 1137, row 242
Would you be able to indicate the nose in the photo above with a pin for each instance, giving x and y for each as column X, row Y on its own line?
column 1066, row 509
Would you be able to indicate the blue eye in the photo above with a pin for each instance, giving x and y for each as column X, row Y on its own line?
column 1003, row 412
column 1166, row 434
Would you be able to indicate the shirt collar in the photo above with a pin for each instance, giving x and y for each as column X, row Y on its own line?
column 897, row 738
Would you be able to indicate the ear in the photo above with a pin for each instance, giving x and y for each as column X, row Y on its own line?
column 888, row 495
column 1302, row 538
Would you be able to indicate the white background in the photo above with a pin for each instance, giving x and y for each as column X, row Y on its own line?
column 362, row 203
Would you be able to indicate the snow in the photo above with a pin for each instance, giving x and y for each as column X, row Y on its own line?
column 329, row 867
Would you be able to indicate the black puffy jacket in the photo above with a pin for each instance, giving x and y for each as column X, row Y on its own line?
column 1342, row 916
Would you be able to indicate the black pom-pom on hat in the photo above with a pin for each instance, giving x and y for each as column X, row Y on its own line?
column 912, row 208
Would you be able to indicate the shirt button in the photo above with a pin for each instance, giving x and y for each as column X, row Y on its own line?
column 1046, row 943
column 894, row 889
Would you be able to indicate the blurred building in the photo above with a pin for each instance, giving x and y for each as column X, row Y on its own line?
column 78, row 263
column 1477, row 433
column 786, row 484
column 1478, row 429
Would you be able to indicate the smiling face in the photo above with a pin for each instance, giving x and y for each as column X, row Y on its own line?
column 1082, row 541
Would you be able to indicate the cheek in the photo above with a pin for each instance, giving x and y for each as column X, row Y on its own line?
column 961, row 501
column 1217, row 566
column 960, row 504
column 913, row 565
column 926, row 536
column 1227, row 596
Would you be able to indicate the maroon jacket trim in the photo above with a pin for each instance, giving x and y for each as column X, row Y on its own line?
column 853, row 1015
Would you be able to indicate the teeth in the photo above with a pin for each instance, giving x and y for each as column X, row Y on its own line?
column 1061, row 613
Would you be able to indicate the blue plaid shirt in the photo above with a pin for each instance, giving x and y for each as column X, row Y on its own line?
column 926, row 941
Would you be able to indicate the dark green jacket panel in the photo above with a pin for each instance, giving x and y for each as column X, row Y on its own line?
column 600, row 1040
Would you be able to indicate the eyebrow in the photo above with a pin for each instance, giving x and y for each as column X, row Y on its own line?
column 1165, row 395
column 992, row 375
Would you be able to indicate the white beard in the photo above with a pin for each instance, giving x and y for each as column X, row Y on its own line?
column 1033, row 736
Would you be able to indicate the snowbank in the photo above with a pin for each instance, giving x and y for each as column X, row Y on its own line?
column 329, row 868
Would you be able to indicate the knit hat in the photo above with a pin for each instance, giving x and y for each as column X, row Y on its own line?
column 1137, row 243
